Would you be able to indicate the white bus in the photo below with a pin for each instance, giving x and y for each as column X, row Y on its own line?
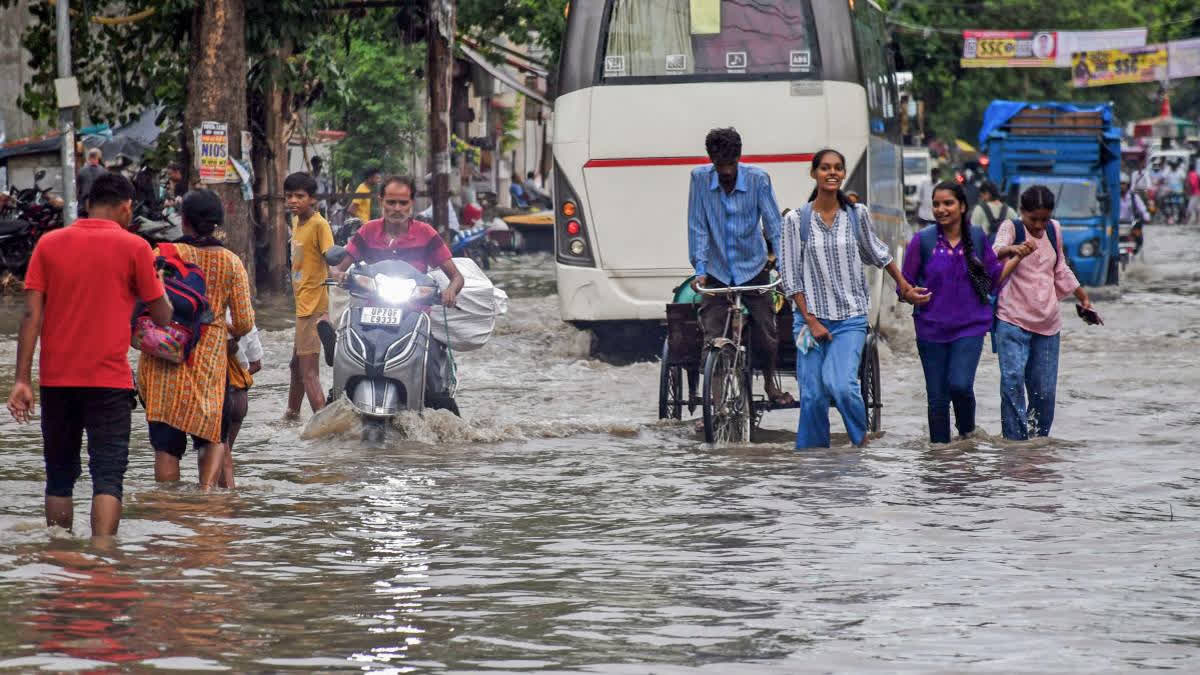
column 641, row 82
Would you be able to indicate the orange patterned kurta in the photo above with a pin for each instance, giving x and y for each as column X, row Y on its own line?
column 189, row 396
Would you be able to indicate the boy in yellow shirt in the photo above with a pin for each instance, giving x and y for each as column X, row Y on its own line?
column 311, row 238
column 361, row 208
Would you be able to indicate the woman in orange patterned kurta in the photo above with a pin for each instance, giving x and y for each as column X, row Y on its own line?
column 187, row 398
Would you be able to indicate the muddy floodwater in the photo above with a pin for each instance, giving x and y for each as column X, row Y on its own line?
column 561, row 527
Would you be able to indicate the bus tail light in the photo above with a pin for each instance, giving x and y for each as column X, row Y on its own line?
column 571, row 245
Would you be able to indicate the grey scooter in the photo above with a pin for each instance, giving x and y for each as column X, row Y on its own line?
column 383, row 341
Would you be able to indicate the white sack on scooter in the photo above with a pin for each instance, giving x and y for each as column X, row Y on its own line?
column 470, row 325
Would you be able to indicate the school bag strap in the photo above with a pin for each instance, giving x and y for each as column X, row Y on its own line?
column 806, row 221
column 1051, row 232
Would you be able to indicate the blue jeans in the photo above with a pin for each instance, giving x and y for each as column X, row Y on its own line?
column 829, row 372
column 1028, row 362
column 950, row 377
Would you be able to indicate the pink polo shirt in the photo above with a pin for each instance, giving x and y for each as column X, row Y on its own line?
column 1030, row 298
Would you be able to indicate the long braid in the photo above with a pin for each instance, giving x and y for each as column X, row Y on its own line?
column 980, row 281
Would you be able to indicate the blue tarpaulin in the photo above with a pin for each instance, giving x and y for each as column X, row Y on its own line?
column 1000, row 112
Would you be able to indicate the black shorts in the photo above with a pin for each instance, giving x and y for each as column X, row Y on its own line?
column 168, row 439
column 105, row 414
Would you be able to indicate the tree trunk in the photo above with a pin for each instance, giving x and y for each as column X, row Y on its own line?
column 277, row 167
column 439, row 64
column 216, row 92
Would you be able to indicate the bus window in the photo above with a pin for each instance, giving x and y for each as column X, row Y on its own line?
column 710, row 38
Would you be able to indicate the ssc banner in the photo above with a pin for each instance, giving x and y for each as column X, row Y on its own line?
column 1040, row 49
column 1009, row 48
column 1103, row 67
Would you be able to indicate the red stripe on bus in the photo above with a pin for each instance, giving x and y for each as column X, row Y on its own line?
column 692, row 161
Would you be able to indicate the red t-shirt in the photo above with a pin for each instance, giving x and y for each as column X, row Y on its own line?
column 92, row 273
column 420, row 247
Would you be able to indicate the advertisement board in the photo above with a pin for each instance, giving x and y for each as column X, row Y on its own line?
column 1104, row 67
column 1040, row 49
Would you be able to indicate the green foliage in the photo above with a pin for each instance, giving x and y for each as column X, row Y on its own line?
column 376, row 102
column 956, row 97
column 538, row 22
column 125, row 68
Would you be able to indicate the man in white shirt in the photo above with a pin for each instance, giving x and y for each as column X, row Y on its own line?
column 925, row 197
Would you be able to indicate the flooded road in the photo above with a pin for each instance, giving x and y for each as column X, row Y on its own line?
column 561, row 527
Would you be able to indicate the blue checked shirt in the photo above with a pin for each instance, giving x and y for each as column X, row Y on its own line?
column 725, row 241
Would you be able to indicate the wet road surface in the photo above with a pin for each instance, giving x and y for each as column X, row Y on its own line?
column 561, row 527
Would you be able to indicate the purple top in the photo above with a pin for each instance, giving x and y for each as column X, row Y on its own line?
column 954, row 311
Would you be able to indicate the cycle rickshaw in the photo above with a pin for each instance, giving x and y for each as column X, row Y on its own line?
column 720, row 377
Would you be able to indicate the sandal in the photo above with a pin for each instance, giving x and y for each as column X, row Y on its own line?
column 783, row 399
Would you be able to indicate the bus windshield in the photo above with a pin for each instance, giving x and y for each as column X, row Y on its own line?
column 711, row 38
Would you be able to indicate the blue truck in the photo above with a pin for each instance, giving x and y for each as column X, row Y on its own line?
column 1075, row 150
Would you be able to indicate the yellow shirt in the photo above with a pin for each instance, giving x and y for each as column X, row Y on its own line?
column 361, row 208
column 310, row 240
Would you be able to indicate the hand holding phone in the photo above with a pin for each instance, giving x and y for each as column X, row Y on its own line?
column 1090, row 316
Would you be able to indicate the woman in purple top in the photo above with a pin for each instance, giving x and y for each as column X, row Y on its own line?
column 953, row 261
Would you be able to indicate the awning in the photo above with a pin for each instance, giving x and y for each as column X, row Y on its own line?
column 503, row 75
column 32, row 146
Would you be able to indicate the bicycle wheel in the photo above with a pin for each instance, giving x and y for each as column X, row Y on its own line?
column 868, row 378
column 726, row 399
column 670, row 388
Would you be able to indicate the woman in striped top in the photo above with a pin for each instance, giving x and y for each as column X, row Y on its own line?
column 822, row 262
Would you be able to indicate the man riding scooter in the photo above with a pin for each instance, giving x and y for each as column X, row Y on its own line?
column 397, row 236
column 1133, row 216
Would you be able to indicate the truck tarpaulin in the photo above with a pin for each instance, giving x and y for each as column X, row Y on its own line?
column 1000, row 112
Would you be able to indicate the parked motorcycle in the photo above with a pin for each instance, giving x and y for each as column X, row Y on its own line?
column 155, row 226
column 383, row 345
column 28, row 214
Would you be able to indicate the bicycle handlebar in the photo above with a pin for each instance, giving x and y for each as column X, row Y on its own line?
column 739, row 289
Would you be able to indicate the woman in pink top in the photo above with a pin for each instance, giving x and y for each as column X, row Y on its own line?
column 1027, row 317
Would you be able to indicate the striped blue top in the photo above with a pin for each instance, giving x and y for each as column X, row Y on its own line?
column 724, row 238
column 830, row 268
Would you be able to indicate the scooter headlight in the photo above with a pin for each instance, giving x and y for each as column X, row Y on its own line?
column 394, row 291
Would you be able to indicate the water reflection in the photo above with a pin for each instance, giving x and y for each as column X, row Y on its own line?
column 984, row 467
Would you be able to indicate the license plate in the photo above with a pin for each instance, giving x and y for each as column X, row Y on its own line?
column 381, row 316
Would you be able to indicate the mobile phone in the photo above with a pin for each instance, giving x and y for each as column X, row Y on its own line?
column 1089, row 316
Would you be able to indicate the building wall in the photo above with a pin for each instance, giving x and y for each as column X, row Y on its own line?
column 14, row 70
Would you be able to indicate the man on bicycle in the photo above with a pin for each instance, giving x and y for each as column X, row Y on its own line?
column 726, row 202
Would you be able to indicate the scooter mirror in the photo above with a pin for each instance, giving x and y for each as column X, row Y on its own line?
column 41, row 173
column 335, row 255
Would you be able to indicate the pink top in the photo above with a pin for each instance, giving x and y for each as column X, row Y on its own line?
column 1030, row 298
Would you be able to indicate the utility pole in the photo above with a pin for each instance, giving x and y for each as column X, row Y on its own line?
column 439, row 63
column 68, row 99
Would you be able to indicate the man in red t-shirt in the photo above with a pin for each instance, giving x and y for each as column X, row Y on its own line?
column 81, row 288
column 397, row 236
